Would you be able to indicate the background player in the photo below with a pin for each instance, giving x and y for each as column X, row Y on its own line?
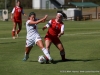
column 16, row 16
column 55, row 30
column 33, row 36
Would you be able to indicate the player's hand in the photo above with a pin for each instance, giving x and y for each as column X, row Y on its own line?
column 45, row 16
column 59, row 35
column 25, row 15
column 44, row 28
column 11, row 17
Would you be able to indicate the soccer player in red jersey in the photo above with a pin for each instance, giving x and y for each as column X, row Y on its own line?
column 55, row 30
column 16, row 16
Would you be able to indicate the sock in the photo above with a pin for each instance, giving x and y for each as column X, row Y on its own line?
column 46, row 53
column 26, row 54
column 62, row 53
column 49, row 51
column 18, row 31
column 13, row 33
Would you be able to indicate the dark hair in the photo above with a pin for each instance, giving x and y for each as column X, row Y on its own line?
column 20, row 4
column 18, row 1
column 32, row 13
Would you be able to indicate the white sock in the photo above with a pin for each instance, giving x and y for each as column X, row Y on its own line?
column 46, row 53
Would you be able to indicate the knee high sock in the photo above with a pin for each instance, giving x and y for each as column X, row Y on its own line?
column 13, row 33
column 18, row 31
column 62, row 53
column 46, row 53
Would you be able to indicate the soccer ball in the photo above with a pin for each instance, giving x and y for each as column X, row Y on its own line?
column 41, row 59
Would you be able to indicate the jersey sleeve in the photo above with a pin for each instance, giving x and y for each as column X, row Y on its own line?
column 62, row 28
column 48, row 24
column 22, row 11
column 27, row 22
column 13, row 10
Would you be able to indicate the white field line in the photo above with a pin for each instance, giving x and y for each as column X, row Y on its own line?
column 82, row 33
column 63, row 35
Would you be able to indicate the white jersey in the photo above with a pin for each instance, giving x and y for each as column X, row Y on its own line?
column 32, row 34
column 31, row 30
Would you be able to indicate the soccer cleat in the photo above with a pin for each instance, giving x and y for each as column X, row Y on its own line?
column 51, row 61
column 26, row 57
column 13, row 37
column 17, row 35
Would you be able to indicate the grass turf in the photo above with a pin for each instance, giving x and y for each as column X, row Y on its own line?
column 81, row 42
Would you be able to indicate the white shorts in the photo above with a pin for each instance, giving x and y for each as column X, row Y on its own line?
column 32, row 42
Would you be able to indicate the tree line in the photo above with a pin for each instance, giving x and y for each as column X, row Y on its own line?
column 28, row 3
column 9, row 4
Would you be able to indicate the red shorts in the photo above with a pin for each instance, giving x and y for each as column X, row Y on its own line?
column 53, row 39
column 17, row 20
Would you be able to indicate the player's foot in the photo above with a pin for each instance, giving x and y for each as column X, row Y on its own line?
column 13, row 37
column 51, row 61
column 64, row 60
column 26, row 57
column 16, row 35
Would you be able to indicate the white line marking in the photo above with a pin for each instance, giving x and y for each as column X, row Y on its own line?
column 63, row 35
column 82, row 33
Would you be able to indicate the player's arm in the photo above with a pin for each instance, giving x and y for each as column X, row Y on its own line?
column 38, row 21
column 62, row 31
column 47, row 25
column 12, row 13
column 23, row 13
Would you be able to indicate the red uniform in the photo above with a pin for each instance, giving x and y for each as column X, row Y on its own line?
column 17, row 11
column 54, row 29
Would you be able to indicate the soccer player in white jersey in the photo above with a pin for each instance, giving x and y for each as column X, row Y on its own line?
column 33, row 36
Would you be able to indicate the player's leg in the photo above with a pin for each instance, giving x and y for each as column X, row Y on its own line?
column 28, row 47
column 27, row 51
column 14, row 29
column 59, row 45
column 19, row 28
column 48, row 44
column 45, row 51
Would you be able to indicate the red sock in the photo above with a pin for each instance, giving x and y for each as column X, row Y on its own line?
column 13, row 33
column 18, row 31
column 63, row 57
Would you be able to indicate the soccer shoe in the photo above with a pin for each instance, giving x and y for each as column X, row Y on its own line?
column 51, row 61
column 17, row 35
column 26, row 57
column 13, row 37
column 64, row 60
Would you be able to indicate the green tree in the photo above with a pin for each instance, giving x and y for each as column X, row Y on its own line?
column 2, row 4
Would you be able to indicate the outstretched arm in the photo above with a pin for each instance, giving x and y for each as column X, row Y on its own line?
column 38, row 21
column 12, row 13
column 47, row 25
column 62, row 31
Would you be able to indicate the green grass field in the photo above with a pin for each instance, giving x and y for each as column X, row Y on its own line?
column 81, row 42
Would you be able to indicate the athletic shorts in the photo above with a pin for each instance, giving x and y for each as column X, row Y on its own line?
column 17, row 20
column 53, row 39
column 32, row 42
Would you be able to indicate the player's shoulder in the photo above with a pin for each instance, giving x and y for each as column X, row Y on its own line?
column 28, row 21
column 53, row 20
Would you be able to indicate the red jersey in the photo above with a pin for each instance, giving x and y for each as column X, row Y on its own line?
column 55, row 27
column 17, row 11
